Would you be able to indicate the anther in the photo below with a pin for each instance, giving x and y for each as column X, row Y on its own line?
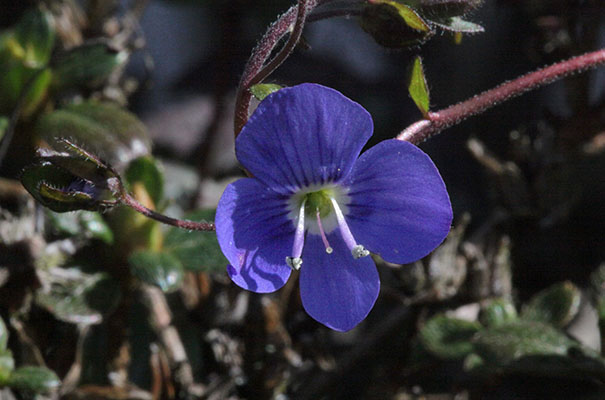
column 294, row 262
column 357, row 250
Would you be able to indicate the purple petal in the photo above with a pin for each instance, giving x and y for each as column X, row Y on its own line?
column 303, row 135
column 255, row 235
column 399, row 207
column 336, row 289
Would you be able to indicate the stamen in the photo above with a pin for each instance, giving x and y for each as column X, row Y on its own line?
column 357, row 250
column 295, row 261
column 324, row 238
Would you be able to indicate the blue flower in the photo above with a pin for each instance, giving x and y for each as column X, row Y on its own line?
column 316, row 206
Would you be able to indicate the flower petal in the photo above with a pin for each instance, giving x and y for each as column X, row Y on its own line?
column 399, row 207
column 303, row 135
column 255, row 234
column 336, row 289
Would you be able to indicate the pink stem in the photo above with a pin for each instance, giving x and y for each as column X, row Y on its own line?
column 440, row 120
column 256, row 70
column 131, row 202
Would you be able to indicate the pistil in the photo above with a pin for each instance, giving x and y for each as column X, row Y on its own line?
column 357, row 250
column 324, row 238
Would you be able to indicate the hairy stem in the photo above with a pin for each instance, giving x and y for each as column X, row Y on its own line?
column 256, row 70
column 131, row 202
column 440, row 120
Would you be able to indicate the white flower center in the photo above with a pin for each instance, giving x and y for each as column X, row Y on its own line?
column 318, row 210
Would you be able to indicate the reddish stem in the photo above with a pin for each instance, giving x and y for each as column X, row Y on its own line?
column 440, row 120
column 256, row 70
column 131, row 202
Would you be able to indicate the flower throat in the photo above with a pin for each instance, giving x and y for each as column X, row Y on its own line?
column 317, row 205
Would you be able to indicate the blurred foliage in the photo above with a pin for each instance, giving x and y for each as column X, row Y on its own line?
column 113, row 305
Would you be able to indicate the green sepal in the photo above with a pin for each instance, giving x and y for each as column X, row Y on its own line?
column 442, row 9
column 458, row 25
column 394, row 25
column 417, row 86
column 263, row 90
column 61, row 191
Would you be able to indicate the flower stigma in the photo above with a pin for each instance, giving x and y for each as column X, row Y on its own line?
column 316, row 210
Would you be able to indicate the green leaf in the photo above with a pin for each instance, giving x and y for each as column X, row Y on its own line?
column 88, row 65
column 504, row 343
column 36, row 36
column 498, row 312
column 557, row 305
column 456, row 24
column 7, row 365
column 160, row 269
column 14, row 77
column 120, row 134
column 34, row 379
column 197, row 251
column 146, row 171
column 418, row 87
column 394, row 25
column 4, row 121
column 85, row 223
column 78, row 297
column 263, row 90
column 3, row 335
column 448, row 338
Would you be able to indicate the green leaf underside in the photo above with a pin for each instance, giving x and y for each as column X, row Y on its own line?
column 89, row 224
column 78, row 297
column 157, row 268
column 418, row 87
column 556, row 305
column 448, row 338
column 88, row 65
column 101, row 126
column 146, row 171
column 197, row 251
column 507, row 342
column 33, row 379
